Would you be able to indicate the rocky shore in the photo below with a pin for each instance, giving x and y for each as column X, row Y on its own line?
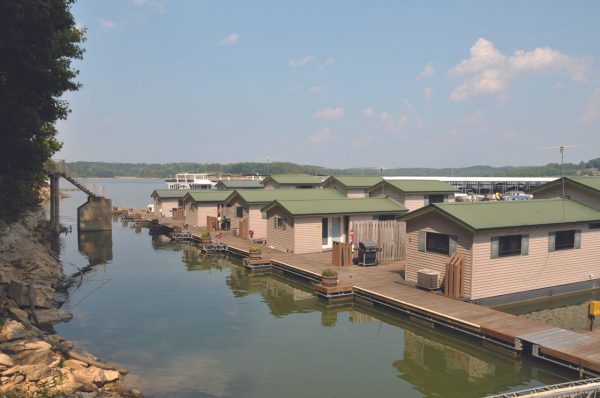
column 34, row 361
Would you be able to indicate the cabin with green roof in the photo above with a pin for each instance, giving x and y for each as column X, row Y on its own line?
column 167, row 201
column 245, row 204
column 238, row 184
column 414, row 194
column 511, row 250
column 291, row 181
column 201, row 204
column 352, row 186
column 309, row 226
column 585, row 190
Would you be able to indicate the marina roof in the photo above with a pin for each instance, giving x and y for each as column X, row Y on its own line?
column 239, row 184
column 338, row 206
column 259, row 196
column 293, row 179
column 519, row 213
column 591, row 183
column 354, row 181
column 170, row 193
column 414, row 186
column 208, row 195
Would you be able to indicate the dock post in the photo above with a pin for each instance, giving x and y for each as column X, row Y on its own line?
column 54, row 203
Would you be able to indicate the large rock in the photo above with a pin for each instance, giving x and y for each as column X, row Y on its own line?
column 13, row 330
column 42, row 295
column 52, row 316
column 21, row 315
column 91, row 375
column 5, row 360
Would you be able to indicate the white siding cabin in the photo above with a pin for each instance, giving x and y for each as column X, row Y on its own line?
column 201, row 204
column 584, row 190
column 414, row 194
column 513, row 250
column 309, row 226
column 166, row 201
column 352, row 186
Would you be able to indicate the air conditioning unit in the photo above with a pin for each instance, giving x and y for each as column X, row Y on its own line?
column 429, row 279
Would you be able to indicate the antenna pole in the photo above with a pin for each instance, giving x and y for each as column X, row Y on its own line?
column 562, row 171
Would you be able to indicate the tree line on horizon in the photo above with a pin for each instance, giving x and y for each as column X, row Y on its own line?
column 166, row 170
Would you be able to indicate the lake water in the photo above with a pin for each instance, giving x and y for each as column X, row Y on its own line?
column 187, row 325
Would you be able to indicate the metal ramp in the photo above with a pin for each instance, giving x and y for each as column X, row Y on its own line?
column 555, row 338
column 59, row 168
column 589, row 388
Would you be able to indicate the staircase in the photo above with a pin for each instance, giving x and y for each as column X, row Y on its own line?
column 59, row 168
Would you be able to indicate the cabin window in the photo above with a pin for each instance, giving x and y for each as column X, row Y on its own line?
column 280, row 223
column 436, row 199
column 304, row 187
column 594, row 225
column 564, row 240
column 239, row 212
column 509, row 245
column 180, row 203
column 439, row 243
column 386, row 217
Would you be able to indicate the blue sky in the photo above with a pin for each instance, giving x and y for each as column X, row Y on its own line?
column 336, row 83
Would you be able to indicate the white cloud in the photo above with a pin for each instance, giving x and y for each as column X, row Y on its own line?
column 428, row 93
column 592, row 109
column 330, row 113
column 391, row 123
column 327, row 63
column 107, row 23
column 230, row 39
column 493, row 70
column 297, row 62
column 368, row 112
column 360, row 142
column 318, row 89
column 321, row 136
column 427, row 71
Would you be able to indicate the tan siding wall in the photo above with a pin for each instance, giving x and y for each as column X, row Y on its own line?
column 579, row 195
column 157, row 207
column 235, row 221
column 204, row 210
column 540, row 268
column 415, row 260
column 256, row 222
column 391, row 193
column 414, row 201
column 167, row 205
column 190, row 214
column 307, row 231
column 278, row 238
column 357, row 193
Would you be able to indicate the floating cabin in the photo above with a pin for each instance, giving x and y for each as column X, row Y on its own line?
column 352, row 186
column 201, row 204
column 584, row 190
column 167, row 201
column 291, row 181
column 309, row 226
column 414, row 194
column 511, row 251
column 246, row 204
column 238, row 184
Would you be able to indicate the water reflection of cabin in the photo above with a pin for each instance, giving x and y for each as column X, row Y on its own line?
column 352, row 186
column 512, row 250
column 246, row 204
column 167, row 201
column 414, row 194
column 291, row 181
column 309, row 226
column 584, row 190
column 201, row 204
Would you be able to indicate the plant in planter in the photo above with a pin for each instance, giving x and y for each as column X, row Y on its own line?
column 255, row 252
column 329, row 277
column 205, row 237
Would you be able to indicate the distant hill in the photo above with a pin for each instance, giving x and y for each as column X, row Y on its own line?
column 157, row 170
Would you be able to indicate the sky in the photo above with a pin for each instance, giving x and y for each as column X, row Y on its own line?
column 337, row 83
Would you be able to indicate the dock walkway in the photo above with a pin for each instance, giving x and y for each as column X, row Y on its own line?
column 384, row 285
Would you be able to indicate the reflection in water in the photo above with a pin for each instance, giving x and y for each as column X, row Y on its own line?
column 96, row 246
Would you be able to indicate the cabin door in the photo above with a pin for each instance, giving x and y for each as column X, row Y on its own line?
column 331, row 230
column 325, row 232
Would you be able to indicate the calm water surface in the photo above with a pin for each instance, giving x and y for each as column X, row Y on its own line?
column 188, row 325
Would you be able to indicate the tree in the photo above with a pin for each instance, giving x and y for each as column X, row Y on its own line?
column 38, row 42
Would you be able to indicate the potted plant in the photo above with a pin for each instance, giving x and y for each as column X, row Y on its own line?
column 255, row 252
column 329, row 277
column 205, row 237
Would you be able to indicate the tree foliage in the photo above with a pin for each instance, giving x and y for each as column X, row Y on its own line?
column 38, row 42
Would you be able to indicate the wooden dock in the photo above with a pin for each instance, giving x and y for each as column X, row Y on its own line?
column 384, row 285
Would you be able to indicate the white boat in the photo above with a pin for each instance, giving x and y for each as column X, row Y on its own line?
column 190, row 181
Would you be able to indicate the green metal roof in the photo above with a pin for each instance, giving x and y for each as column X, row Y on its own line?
column 508, row 214
column 293, row 179
column 258, row 196
column 209, row 195
column 170, row 193
column 418, row 186
column 339, row 206
column 592, row 183
column 239, row 184
column 354, row 181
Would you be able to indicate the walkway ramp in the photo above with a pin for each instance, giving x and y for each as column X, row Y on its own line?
column 60, row 168
column 589, row 388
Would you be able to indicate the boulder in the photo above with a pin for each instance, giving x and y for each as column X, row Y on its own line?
column 5, row 360
column 91, row 375
column 111, row 375
column 52, row 316
column 12, row 330
column 42, row 295
column 74, row 364
column 35, row 372
column 21, row 315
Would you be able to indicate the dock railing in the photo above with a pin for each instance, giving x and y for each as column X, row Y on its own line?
column 59, row 167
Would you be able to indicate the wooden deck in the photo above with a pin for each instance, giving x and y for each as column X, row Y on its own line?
column 384, row 285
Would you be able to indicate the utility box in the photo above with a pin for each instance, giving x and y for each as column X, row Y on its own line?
column 594, row 308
